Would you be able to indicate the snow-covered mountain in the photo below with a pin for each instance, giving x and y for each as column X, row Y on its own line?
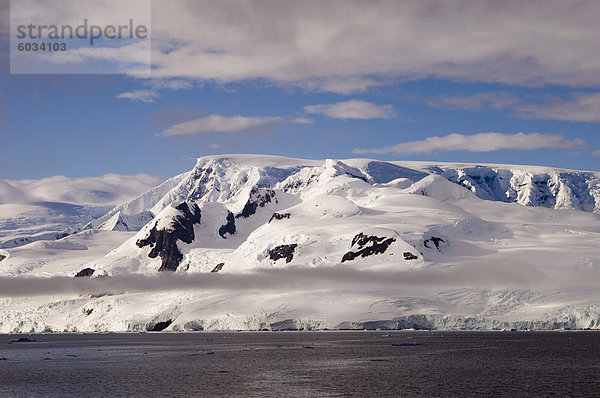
column 270, row 242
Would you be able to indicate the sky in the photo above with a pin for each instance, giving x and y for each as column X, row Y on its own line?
column 507, row 82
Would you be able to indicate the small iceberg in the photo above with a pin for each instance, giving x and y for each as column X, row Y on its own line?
column 405, row 343
column 21, row 340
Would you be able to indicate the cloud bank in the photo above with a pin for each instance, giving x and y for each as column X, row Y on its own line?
column 348, row 47
column 297, row 279
column 351, row 46
column 578, row 107
column 481, row 142
column 109, row 189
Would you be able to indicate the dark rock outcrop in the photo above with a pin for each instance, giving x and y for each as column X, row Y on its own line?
column 86, row 272
column 3, row 257
column 357, row 176
column 283, row 251
column 435, row 240
column 367, row 246
column 218, row 267
column 409, row 256
column 299, row 184
column 164, row 241
column 228, row 228
column 159, row 326
column 258, row 198
column 279, row 216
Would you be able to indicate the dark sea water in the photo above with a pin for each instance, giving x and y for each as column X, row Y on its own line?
column 303, row 364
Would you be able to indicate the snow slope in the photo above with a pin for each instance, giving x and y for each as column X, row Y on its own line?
column 265, row 242
column 51, row 208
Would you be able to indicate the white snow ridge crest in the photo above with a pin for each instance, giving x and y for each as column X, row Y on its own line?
column 250, row 242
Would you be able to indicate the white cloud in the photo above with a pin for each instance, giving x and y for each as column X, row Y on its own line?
column 596, row 153
column 475, row 102
column 324, row 46
column 481, row 142
column 341, row 84
column 576, row 107
column 156, row 84
column 353, row 109
column 218, row 123
column 140, row 95
column 580, row 107
column 303, row 120
column 214, row 146
column 170, row 84
column 129, row 59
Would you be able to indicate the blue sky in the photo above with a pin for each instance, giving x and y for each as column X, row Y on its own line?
column 495, row 82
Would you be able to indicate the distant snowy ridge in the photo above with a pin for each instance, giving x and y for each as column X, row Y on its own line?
column 229, row 178
column 558, row 189
column 50, row 208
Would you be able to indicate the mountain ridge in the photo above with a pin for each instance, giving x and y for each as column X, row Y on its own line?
column 371, row 243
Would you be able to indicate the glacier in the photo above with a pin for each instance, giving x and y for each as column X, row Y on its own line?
column 254, row 242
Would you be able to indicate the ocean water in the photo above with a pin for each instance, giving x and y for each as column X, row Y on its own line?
column 303, row 364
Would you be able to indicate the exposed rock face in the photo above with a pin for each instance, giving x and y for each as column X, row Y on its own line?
column 164, row 241
column 283, row 251
column 160, row 326
column 435, row 240
column 258, row 198
column 218, row 267
column 3, row 257
column 357, row 176
column 367, row 246
column 292, row 185
column 409, row 256
column 228, row 228
column 279, row 216
column 86, row 272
